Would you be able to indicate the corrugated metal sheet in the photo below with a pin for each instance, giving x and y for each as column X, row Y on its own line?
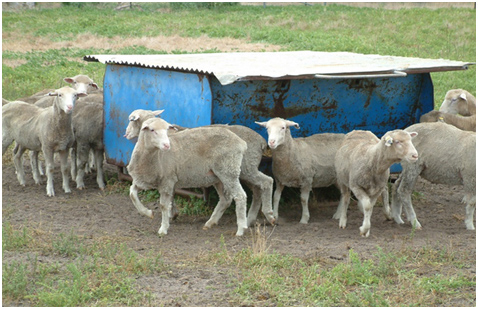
column 231, row 67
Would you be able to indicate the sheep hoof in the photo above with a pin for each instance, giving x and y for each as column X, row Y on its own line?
column 205, row 228
column 364, row 233
column 81, row 188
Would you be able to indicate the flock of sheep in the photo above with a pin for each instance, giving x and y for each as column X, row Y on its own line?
column 69, row 120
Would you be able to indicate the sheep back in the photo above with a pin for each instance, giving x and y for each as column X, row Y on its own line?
column 446, row 155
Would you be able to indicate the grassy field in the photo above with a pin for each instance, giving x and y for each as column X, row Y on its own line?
column 42, row 46
column 441, row 33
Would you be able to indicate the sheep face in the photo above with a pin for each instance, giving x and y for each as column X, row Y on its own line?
column 400, row 143
column 136, row 119
column 81, row 83
column 455, row 102
column 155, row 133
column 276, row 129
column 66, row 98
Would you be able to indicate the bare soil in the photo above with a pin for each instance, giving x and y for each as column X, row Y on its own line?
column 95, row 215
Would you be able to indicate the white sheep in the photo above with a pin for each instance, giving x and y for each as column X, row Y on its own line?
column 459, row 101
column 193, row 158
column 467, row 123
column 305, row 163
column 45, row 129
column 362, row 164
column 260, row 184
column 447, row 155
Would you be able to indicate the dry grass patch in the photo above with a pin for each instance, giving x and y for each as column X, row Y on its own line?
column 22, row 43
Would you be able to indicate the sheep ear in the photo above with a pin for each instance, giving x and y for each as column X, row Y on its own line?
column 53, row 94
column 145, row 127
column 82, row 94
column 158, row 112
column 463, row 96
column 134, row 118
column 262, row 124
column 173, row 127
column 413, row 134
column 69, row 80
column 388, row 141
column 292, row 124
column 94, row 85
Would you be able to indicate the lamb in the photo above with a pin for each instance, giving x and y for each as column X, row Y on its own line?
column 362, row 164
column 48, row 130
column 459, row 101
column 467, row 123
column 447, row 155
column 198, row 157
column 303, row 163
column 260, row 184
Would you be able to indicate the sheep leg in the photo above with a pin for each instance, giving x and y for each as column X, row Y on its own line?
column 402, row 194
column 367, row 206
column 341, row 213
column 386, row 203
column 255, row 205
column 7, row 140
column 99, row 168
column 35, row 167
column 224, row 202
column 64, row 170
column 165, row 205
column 18, row 161
column 133, row 195
column 277, row 194
column 240, row 198
column 81, row 155
column 48, row 153
column 74, row 163
column 304, row 199
column 470, row 201
column 397, row 202
column 261, row 187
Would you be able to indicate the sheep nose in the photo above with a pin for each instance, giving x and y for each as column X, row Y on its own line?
column 166, row 146
column 272, row 144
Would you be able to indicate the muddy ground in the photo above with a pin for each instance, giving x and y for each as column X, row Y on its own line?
column 92, row 214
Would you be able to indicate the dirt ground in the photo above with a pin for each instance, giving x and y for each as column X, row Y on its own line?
column 92, row 214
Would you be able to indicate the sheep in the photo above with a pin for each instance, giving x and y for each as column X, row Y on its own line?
column 260, row 184
column 47, row 129
column 467, row 123
column 87, row 124
column 362, row 165
column 81, row 83
column 303, row 163
column 447, row 155
column 459, row 101
column 198, row 157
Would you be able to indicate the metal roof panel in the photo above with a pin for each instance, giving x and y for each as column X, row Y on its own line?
column 231, row 67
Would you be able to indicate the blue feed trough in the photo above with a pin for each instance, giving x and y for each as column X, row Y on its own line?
column 323, row 92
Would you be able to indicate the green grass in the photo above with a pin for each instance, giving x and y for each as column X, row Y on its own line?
column 440, row 33
column 390, row 279
column 73, row 272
